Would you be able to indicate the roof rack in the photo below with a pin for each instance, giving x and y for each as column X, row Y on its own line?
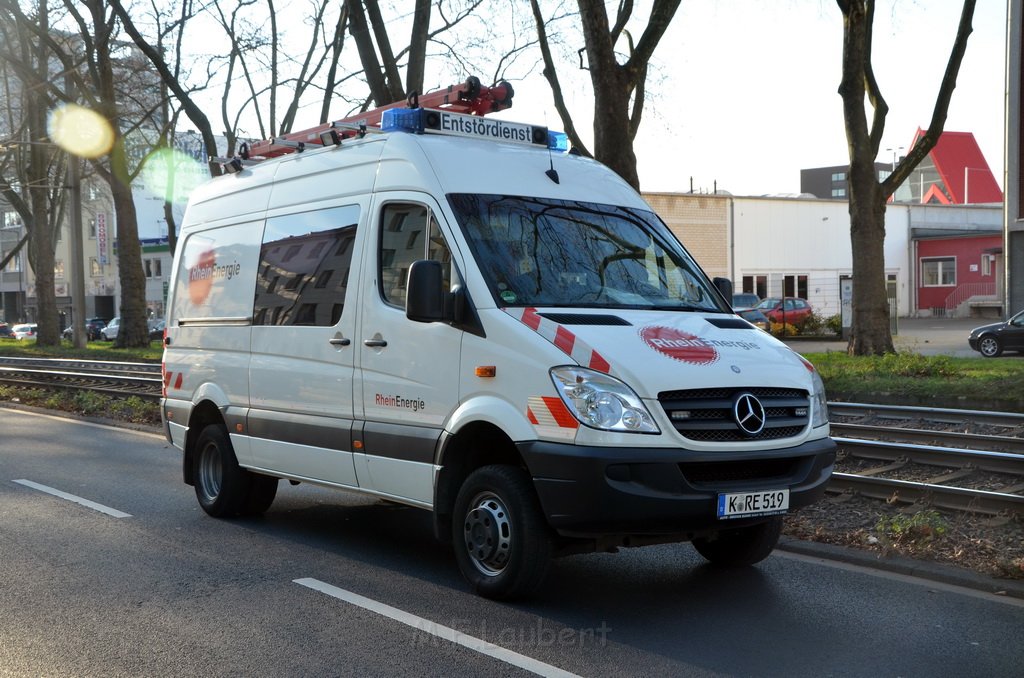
column 469, row 97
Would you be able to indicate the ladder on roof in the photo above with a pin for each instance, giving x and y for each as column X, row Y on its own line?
column 469, row 97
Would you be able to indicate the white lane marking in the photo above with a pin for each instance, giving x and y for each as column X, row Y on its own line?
column 900, row 577
column 78, row 500
column 425, row 625
column 82, row 422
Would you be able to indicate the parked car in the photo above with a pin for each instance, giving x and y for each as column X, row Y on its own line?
column 156, row 330
column 745, row 300
column 92, row 329
column 6, row 332
column 755, row 317
column 991, row 340
column 109, row 332
column 25, row 331
column 791, row 310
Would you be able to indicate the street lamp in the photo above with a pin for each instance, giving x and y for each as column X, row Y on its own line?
column 897, row 149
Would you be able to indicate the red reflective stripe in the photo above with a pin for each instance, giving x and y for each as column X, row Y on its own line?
column 532, row 416
column 598, row 363
column 177, row 382
column 563, row 417
column 564, row 339
column 531, row 319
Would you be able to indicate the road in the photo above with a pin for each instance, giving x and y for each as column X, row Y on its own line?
column 124, row 575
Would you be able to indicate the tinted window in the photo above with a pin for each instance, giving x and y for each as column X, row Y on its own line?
column 304, row 261
column 401, row 244
column 542, row 251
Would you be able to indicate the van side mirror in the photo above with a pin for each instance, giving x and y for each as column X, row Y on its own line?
column 724, row 286
column 424, row 298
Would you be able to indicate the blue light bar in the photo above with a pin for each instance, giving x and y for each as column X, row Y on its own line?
column 428, row 120
column 403, row 120
column 558, row 141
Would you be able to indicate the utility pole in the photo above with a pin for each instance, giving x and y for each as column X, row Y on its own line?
column 78, row 332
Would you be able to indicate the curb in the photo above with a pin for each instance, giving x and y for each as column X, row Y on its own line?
column 922, row 569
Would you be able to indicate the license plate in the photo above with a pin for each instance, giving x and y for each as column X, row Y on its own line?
column 743, row 504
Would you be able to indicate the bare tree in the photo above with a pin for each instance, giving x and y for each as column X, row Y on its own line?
column 868, row 197
column 618, row 87
column 32, row 173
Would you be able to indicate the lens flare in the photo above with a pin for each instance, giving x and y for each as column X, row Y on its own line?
column 81, row 131
column 173, row 174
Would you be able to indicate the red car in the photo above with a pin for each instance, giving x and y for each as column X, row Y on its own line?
column 791, row 310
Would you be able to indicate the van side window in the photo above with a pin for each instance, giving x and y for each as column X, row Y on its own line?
column 401, row 244
column 312, row 252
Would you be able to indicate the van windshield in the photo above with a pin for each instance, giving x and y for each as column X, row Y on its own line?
column 547, row 252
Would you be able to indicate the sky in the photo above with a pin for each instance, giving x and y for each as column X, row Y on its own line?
column 743, row 93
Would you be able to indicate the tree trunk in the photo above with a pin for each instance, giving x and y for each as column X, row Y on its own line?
column 870, row 333
column 40, row 246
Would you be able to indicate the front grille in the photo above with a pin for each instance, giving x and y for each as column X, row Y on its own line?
column 710, row 473
column 708, row 414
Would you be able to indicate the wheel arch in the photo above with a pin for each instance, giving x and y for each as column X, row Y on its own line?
column 477, row 444
column 203, row 414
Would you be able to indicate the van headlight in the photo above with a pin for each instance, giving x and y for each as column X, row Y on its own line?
column 601, row 401
column 819, row 401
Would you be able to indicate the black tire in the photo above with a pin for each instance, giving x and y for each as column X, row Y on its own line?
column 741, row 546
column 262, row 492
column 990, row 346
column 502, row 543
column 222, row 486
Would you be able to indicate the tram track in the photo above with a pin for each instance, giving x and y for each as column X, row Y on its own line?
column 966, row 460
column 113, row 378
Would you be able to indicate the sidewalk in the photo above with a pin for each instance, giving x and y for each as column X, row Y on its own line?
column 927, row 336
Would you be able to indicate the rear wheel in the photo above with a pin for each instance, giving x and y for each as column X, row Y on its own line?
column 223, row 488
column 990, row 347
column 502, row 542
column 741, row 546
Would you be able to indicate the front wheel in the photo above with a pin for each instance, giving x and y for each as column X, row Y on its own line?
column 741, row 546
column 502, row 542
column 990, row 347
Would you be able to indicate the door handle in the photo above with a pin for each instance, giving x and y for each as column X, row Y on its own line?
column 375, row 343
column 339, row 341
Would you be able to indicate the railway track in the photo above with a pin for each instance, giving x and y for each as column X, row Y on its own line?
column 113, row 378
column 959, row 459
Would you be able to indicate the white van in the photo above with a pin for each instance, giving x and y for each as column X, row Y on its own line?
column 496, row 331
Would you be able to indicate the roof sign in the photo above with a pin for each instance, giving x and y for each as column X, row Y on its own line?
column 421, row 120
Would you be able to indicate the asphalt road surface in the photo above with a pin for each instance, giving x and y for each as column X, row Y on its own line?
column 109, row 568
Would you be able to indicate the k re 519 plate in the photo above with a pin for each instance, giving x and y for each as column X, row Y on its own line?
column 744, row 504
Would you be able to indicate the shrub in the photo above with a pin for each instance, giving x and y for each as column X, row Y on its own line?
column 787, row 330
column 922, row 527
column 835, row 324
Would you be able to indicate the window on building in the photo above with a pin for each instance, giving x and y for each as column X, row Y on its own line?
column 838, row 192
column 839, row 176
column 92, row 228
column 794, row 286
column 987, row 262
column 94, row 267
column 154, row 268
column 938, row 272
column 58, row 269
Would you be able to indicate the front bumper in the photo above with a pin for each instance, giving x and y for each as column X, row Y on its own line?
column 605, row 491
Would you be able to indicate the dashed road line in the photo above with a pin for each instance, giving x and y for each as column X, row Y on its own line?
column 73, row 498
column 444, row 632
